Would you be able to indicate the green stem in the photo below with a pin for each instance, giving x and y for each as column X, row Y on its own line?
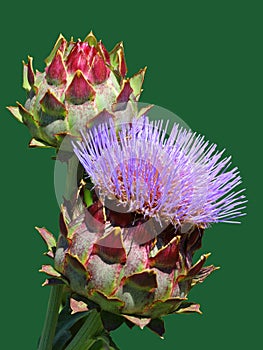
column 85, row 337
column 51, row 319
column 72, row 177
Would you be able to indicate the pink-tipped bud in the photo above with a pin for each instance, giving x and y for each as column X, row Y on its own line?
column 90, row 61
column 79, row 90
column 56, row 72
column 80, row 57
column 98, row 72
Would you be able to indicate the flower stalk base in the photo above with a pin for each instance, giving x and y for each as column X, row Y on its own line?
column 51, row 319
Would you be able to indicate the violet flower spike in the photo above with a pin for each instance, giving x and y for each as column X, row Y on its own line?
column 181, row 178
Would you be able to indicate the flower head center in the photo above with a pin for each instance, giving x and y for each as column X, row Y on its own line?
column 136, row 182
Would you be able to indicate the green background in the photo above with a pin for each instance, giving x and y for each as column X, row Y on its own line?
column 204, row 64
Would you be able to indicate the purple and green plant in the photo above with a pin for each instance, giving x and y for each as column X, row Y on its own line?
column 139, row 197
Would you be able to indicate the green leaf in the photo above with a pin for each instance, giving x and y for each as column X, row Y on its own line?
column 90, row 330
column 65, row 323
column 101, row 344
column 49, row 270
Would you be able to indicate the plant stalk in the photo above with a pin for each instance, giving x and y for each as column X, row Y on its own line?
column 86, row 336
column 56, row 292
column 51, row 319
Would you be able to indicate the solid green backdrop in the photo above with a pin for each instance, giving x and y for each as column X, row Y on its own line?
column 204, row 64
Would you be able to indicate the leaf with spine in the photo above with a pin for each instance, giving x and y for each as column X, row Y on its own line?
column 160, row 307
column 136, row 81
column 49, row 270
column 78, row 306
column 38, row 144
column 57, row 45
column 114, row 56
column 91, row 39
column 203, row 274
column 27, row 117
column 194, row 270
column 53, row 282
column 49, row 239
column 16, row 113
column 188, row 307
column 28, row 75
column 140, row 322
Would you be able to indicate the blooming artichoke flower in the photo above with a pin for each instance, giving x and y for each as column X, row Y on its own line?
column 179, row 179
column 82, row 84
column 130, row 249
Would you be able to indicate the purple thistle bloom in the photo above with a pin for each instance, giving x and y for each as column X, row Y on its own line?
column 179, row 178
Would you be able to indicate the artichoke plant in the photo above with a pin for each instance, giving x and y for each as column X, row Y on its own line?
column 129, row 248
column 139, row 198
column 82, row 84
